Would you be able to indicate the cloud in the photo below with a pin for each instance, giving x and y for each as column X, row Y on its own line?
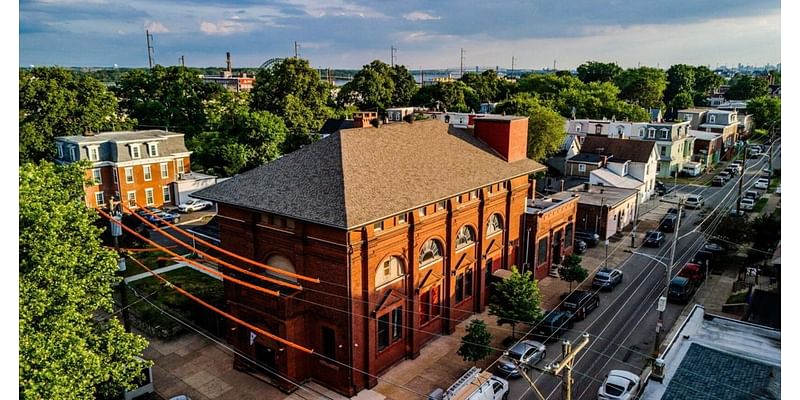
column 155, row 27
column 221, row 28
column 420, row 16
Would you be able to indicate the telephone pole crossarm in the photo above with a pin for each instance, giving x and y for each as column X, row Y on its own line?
column 568, row 358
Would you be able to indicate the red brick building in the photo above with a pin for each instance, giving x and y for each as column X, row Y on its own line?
column 549, row 231
column 403, row 224
column 139, row 166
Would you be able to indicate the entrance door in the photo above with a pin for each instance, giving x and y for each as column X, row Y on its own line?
column 265, row 357
column 557, row 247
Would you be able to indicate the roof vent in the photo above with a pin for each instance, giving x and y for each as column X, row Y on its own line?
column 587, row 186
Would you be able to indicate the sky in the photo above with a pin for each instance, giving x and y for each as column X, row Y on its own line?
column 351, row 33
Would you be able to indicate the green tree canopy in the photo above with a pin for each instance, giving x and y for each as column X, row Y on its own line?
column 488, row 86
column 595, row 71
column 546, row 129
column 643, row 86
column 573, row 271
column 745, row 87
column 680, row 79
column 766, row 110
column 292, row 90
column 54, row 102
column 378, row 86
column 451, row 96
column 240, row 140
column 516, row 299
column 169, row 97
column 681, row 101
column 67, row 350
column 706, row 81
column 547, row 86
column 475, row 345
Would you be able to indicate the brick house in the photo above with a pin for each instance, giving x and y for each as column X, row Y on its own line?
column 605, row 210
column 404, row 224
column 134, row 166
column 549, row 231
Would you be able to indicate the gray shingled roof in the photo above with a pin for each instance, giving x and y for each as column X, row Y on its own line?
column 707, row 373
column 621, row 149
column 357, row 176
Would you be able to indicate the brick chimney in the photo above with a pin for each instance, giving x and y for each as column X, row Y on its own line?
column 363, row 119
column 508, row 135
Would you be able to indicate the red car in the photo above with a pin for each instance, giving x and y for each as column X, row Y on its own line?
column 693, row 272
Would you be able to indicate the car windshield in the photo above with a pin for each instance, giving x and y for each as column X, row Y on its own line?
column 614, row 390
column 652, row 235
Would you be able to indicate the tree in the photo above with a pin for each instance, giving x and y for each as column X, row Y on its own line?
column 706, row 81
column 405, row 87
column 451, row 96
column 681, row 101
column 545, row 127
column 765, row 233
column 643, row 86
column 475, row 344
column 766, row 111
column 745, row 87
column 547, row 86
column 168, row 97
column 680, row 79
column 573, row 271
column 292, row 90
column 54, row 102
column 378, row 86
column 516, row 299
column 488, row 86
column 67, row 350
column 595, row 71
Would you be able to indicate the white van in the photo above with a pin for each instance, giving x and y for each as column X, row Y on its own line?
column 692, row 168
column 474, row 385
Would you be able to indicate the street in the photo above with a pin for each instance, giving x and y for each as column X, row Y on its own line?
column 622, row 329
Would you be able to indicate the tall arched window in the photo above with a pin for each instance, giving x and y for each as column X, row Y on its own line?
column 430, row 252
column 465, row 237
column 389, row 270
column 283, row 263
column 495, row 225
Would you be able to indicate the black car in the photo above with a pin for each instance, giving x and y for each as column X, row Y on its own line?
column 674, row 211
column 580, row 303
column 653, row 239
column 680, row 290
column 718, row 181
column 580, row 246
column 554, row 325
column 661, row 189
column 668, row 223
column 592, row 239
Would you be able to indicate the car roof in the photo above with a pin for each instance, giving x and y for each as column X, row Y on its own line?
column 679, row 280
column 525, row 345
column 577, row 295
column 618, row 375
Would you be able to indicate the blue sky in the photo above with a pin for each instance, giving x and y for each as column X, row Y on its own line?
column 350, row 33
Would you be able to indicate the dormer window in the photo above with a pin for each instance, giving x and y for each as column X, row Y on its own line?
column 93, row 153
column 135, row 151
column 651, row 133
column 578, row 127
column 712, row 119
column 598, row 129
column 641, row 132
column 60, row 150
column 152, row 149
column 73, row 153
column 664, row 134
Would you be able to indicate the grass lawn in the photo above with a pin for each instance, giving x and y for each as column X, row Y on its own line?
column 774, row 183
column 759, row 206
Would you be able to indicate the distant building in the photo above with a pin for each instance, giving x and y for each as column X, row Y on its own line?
column 396, row 114
column 630, row 164
column 134, row 166
column 713, row 357
column 230, row 82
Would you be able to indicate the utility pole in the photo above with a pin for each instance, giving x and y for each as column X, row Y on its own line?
column 296, row 49
column 462, row 61
column 741, row 181
column 182, row 61
column 394, row 50
column 150, row 51
column 554, row 65
column 116, row 232
column 568, row 354
column 668, row 272
column 512, row 65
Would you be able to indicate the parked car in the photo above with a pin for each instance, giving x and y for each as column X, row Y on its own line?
column 694, row 201
column 737, row 163
column 668, row 223
column 653, row 239
column 162, row 217
column 694, row 272
column 143, row 211
column 580, row 303
column 579, row 246
column 592, row 239
column 766, row 171
column 735, row 168
column 718, row 181
column 747, row 204
column 778, row 190
column 752, row 194
column 725, row 175
column 762, row 183
column 680, row 290
column 661, row 189
column 619, row 385
column 704, row 258
column 554, row 325
column 607, row 278
column 473, row 385
column 674, row 211
column 713, row 247
column 192, row 205
column 525, row 352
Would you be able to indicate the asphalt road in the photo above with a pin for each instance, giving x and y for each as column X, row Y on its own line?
column 622, row 329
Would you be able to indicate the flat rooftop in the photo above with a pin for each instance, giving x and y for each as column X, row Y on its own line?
column 598, row 195
column 544, row 204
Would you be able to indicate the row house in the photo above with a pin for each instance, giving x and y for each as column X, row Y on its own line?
column 724, row 122
column 404, row 224
column 630, row 164
column 134, row 166
column 707, row 148
column 607, row 211
column 549, row 232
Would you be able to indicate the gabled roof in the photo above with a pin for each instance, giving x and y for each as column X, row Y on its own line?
column 358, row 176
column 587, row 158
column 621, row 149
column 611, row 179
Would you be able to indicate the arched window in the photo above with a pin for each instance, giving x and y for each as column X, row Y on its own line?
column 430, row 252
column 464, row 237
column 283, row 263
column 620, row 131
column 389, row 270
column 494, row 225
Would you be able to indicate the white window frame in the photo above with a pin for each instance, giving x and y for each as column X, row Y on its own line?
column 164, row 170
column 665, row 133
column 167, row 194
column 73, row 152
column 97, row 175
column 581, row 167
column 99, row 199
column 129, row 175
column 60, row 150
column 149, row 197
column 129, row 198
column 93, row 152
column 147, row 172
column 712, row 119
column 179, row 167
column 136, row 151
column 152, row 149
column 578, row 127
column 651, row 133
column 641, row 132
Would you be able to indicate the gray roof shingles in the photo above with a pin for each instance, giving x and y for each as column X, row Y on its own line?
column 358, row 176
column 621, row 149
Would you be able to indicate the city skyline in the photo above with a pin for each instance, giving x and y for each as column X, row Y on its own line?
column 347, row 34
